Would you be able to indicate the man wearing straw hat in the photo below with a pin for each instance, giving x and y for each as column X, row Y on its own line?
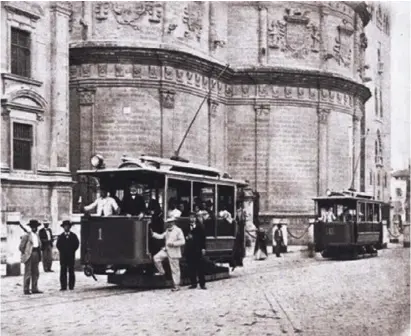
column 174, row 240
column 30, row 248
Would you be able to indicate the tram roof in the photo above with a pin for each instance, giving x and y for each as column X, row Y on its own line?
column 153, row 171
column 347, row 198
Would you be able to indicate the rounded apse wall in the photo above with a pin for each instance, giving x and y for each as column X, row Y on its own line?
column 285, row 115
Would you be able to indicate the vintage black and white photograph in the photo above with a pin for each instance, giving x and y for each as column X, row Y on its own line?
column 205, row 168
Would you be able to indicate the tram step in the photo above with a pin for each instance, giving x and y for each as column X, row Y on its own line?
column 156, row 282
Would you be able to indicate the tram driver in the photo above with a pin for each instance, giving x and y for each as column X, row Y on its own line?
column 328, row 216
column 134, row 204
column 106, row 205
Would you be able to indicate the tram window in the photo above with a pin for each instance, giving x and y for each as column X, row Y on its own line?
column 178, row 202
column 204, row 196
column 361, row 215
column 225, row 211
column 376, row 217
column 370, row 213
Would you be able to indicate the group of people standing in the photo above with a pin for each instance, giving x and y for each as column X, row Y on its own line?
column 37, row 246
column 261, row 238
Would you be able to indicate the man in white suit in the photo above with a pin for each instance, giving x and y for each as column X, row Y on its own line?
column 174, row 240
column 30, row 248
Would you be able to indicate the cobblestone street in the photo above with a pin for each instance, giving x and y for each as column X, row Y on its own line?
column 290, row 295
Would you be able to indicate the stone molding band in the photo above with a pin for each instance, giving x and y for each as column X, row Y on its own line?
column 102, row 63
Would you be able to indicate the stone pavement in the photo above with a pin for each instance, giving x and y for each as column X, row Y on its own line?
column 288, row 295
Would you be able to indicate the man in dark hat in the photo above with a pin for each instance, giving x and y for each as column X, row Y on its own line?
column 30, row 248
column 134, row 203
column 46, row 237
column 67, row 244
column 195, row 250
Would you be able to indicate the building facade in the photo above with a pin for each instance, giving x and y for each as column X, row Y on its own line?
column 35, row 175
column 400, row 196
column 377, row 143
column 287, row 114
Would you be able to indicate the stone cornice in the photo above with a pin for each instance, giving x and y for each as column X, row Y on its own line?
column 82, row 60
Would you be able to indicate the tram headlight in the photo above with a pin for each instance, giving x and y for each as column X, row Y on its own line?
column 328, row 192
column 97, row 161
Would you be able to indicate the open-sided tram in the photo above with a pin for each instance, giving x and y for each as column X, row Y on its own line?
column 121, row 245
column 350, row 224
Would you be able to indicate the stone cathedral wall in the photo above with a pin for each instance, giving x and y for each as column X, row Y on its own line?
column 286, row 114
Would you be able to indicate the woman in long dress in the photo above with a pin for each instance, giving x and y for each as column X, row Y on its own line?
column 260, row 251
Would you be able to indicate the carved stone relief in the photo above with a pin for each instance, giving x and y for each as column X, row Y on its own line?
column 119, row 70
column 137, row 71
column 86, row 70
column 167, row 98
column 295, row 34
column 102, row 70
column 152, row 71
column 323, row 116
column 130, row 13
column 213, row 108
column 342, row 51
column 262, row 111
column 245, row 89
column 86, row 97
column 168, row 73
column 193, row 20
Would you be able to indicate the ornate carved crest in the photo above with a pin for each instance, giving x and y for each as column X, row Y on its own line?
column 167, row 98
column 228, row 90
column 343, row 44
column 262, row 90
column 205, row 81
column 131, row 13
column 288, row 92
column 312, row 93
column 180, row 74
column 189, row 76
column 295, row 34
column 101, row 10
column 276, row 92
column 193, row 20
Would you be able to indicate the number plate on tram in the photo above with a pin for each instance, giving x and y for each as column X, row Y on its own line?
column 330, row 231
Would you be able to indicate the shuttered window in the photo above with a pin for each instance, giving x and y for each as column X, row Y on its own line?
column 22, row 145
column 20, row 52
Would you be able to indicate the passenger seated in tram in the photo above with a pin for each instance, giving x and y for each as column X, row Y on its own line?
column 224, row 214
column 106, row 205
column 134, row 204
column 172, row 209
column 346, row 216
column 327, row 216
column 203, row 211
column 184, row 208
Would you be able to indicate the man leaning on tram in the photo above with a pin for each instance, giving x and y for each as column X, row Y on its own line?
column 106, row 205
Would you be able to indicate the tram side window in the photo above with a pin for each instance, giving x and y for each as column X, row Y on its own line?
column 179, row 193
column 370, row 212
column 361, row 215
column 225, row 211
column 204, row 195
column 376, row 214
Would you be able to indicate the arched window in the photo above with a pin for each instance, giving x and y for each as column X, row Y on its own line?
column 378, row 179
column 381, row 106
column 371, row 177
column 385, row 180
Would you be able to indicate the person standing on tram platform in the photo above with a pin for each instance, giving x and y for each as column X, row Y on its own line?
column 174, row 240
column 106, row 205
column 134, row 204
column 195, row 250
